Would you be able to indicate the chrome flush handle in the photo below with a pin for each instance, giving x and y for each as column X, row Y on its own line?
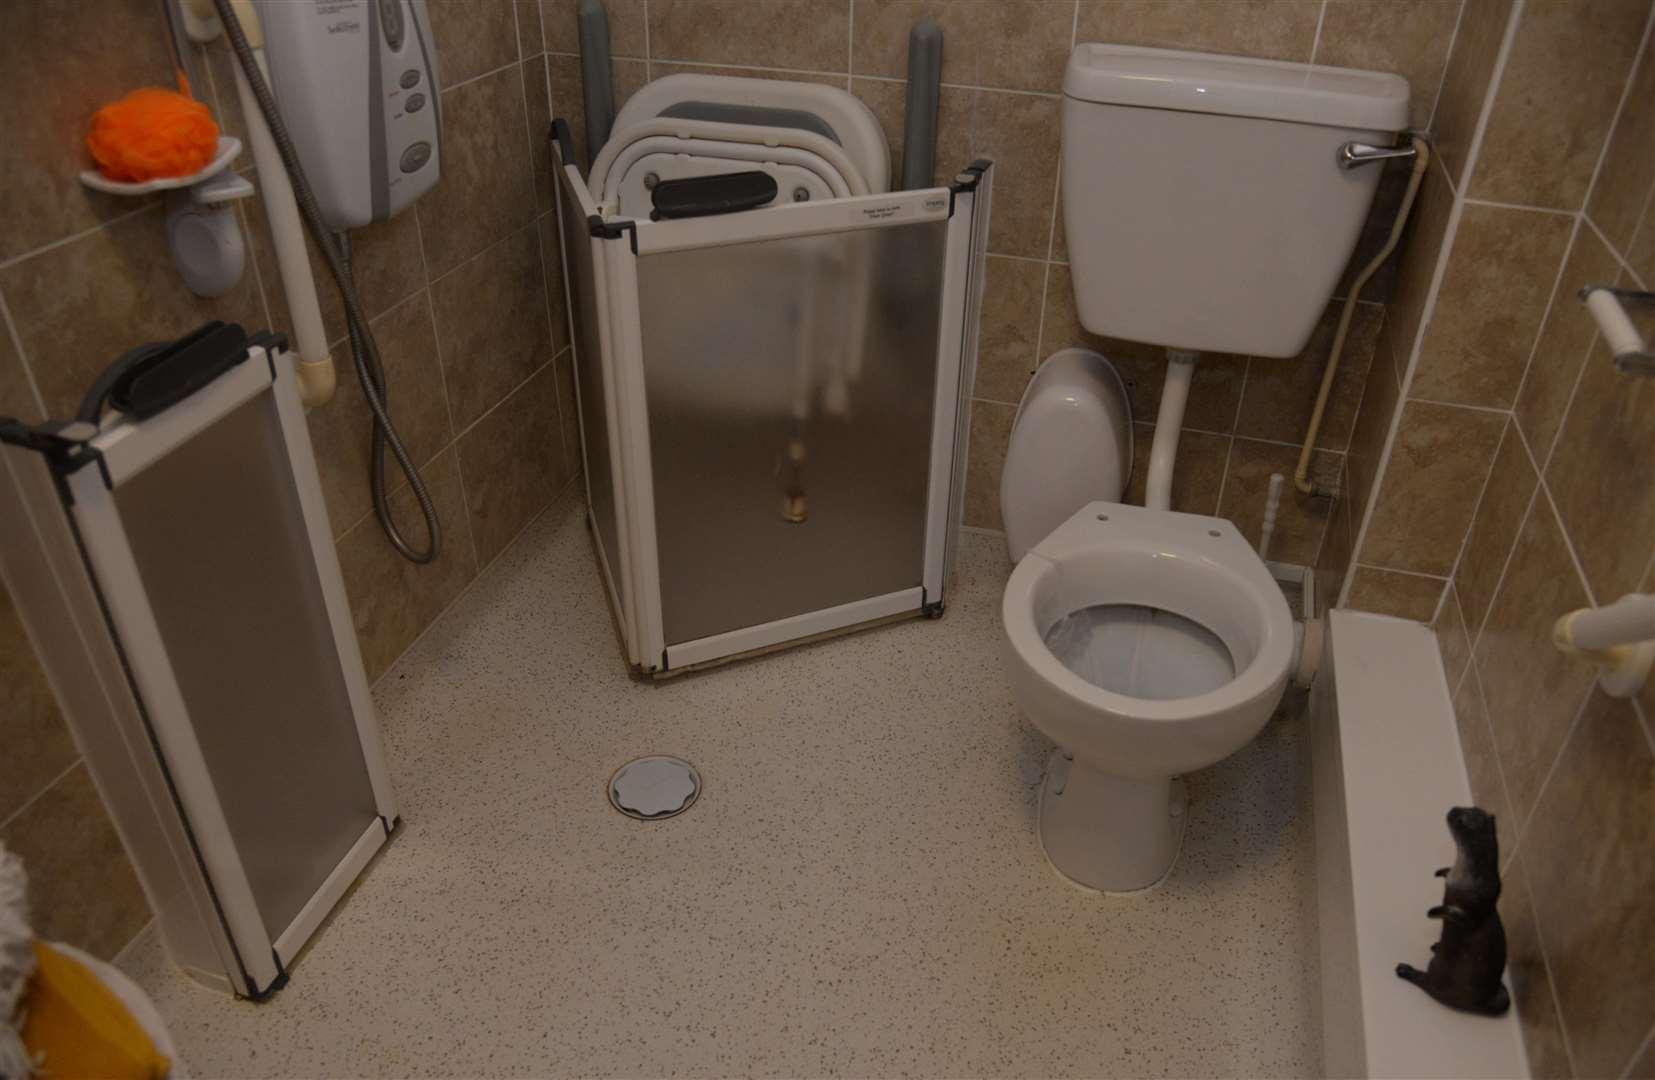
column 1353, row 154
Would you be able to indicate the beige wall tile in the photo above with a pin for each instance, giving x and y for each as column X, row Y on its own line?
column 1408, row 37
column 1452, row 638
column 1010, row 328
column 492, row 328
column 487, row 190
column 538, row 112
column 531, row 36
column 340, row 430
column 38, row 745
column 79, row 306
column 514, row 463
column 1338, row 545
column 1500, row 513
column 1482, row 765
column 1021, row 132
column 1214, row 393
column 1198, row 476
column 1301, row 518
column 17, row 398
column 1278, row 29
column 1482, row 27
column 1533, row 691
column 1281, row 394
column 880, row 29
column 60, row 67
column 1500, row 272
column 473, row 37
column 1564, row 342
column 1627, row 176
column 887, row 100
column 386, row 264
column 568, row 415
column 557, row 302
column 394, row 600
column 1531, row 985
column 990, row 432
column 1016, row 45
column 82, row 889
column 1388, row 592
column 1602, row 474
column 627, row 33
column 1023, row 44
column 1439, row 459
column 812, row 35
column 1551, row 112
column 1373, row 423
column 1422, row 245
column 1641, row 256
column 1587, row 849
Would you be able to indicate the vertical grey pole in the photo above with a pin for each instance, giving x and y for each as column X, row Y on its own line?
column 919, row 134
column 592, row 21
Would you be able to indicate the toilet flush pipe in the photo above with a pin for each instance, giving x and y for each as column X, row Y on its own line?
column 314, row 370
column 1164, row 449
column 1422, row 158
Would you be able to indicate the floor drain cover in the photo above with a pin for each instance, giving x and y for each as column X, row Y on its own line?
column 651, row 788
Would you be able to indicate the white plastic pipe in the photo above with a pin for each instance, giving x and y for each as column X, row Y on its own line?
column 315, row 368
column 1619, row 638
column 1164, row 449
column 1272, row 504
column 1616, row 326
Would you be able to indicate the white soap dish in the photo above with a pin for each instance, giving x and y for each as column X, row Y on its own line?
column 229, row 148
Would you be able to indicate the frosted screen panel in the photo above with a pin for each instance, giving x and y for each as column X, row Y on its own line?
column 594, row 424
column 790, row 387
column 220, row 542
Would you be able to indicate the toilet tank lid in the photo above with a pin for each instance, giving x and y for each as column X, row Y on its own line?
column 1237, row 86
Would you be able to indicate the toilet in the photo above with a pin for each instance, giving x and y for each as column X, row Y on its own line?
column 1210, row 204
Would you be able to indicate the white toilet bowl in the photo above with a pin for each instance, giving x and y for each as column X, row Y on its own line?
column 1172, row 647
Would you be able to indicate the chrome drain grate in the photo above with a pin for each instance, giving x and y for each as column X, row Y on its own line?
column 655, row 787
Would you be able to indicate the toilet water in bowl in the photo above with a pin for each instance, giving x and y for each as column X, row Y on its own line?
column 1140, row 652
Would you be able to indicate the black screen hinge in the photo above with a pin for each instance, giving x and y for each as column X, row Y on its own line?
column 931, row 609
column 613, row 230
column 275, row 984
column 565, row 141
column 967, row 179
column 66, row 445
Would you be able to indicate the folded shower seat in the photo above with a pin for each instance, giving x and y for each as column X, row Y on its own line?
column 816, row 142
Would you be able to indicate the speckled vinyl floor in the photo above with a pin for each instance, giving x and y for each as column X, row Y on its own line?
column 859, row 890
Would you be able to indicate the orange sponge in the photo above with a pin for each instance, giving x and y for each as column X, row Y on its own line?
column 152, row 133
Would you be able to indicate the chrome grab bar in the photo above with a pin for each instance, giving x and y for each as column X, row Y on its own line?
column 1353, row 154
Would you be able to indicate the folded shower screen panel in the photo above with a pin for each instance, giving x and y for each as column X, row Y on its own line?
column 206, row 535
column 774, row 410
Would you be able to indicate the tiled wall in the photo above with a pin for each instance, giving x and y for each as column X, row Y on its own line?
column 466, row 299
column 1511, row 473
column 1002, row 70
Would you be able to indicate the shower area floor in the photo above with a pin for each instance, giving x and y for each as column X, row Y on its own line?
column 858, row 891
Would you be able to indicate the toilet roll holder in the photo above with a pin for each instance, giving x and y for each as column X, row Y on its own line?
column 1608, row 305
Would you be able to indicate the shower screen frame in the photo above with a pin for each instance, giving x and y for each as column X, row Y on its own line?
column 262, row 389
column 601, row 259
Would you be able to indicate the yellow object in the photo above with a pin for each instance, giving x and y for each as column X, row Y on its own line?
column 76, row 1027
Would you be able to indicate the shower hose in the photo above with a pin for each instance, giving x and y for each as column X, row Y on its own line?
column 335, row 249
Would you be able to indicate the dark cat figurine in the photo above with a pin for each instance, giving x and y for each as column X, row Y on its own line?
column 1467, row 962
